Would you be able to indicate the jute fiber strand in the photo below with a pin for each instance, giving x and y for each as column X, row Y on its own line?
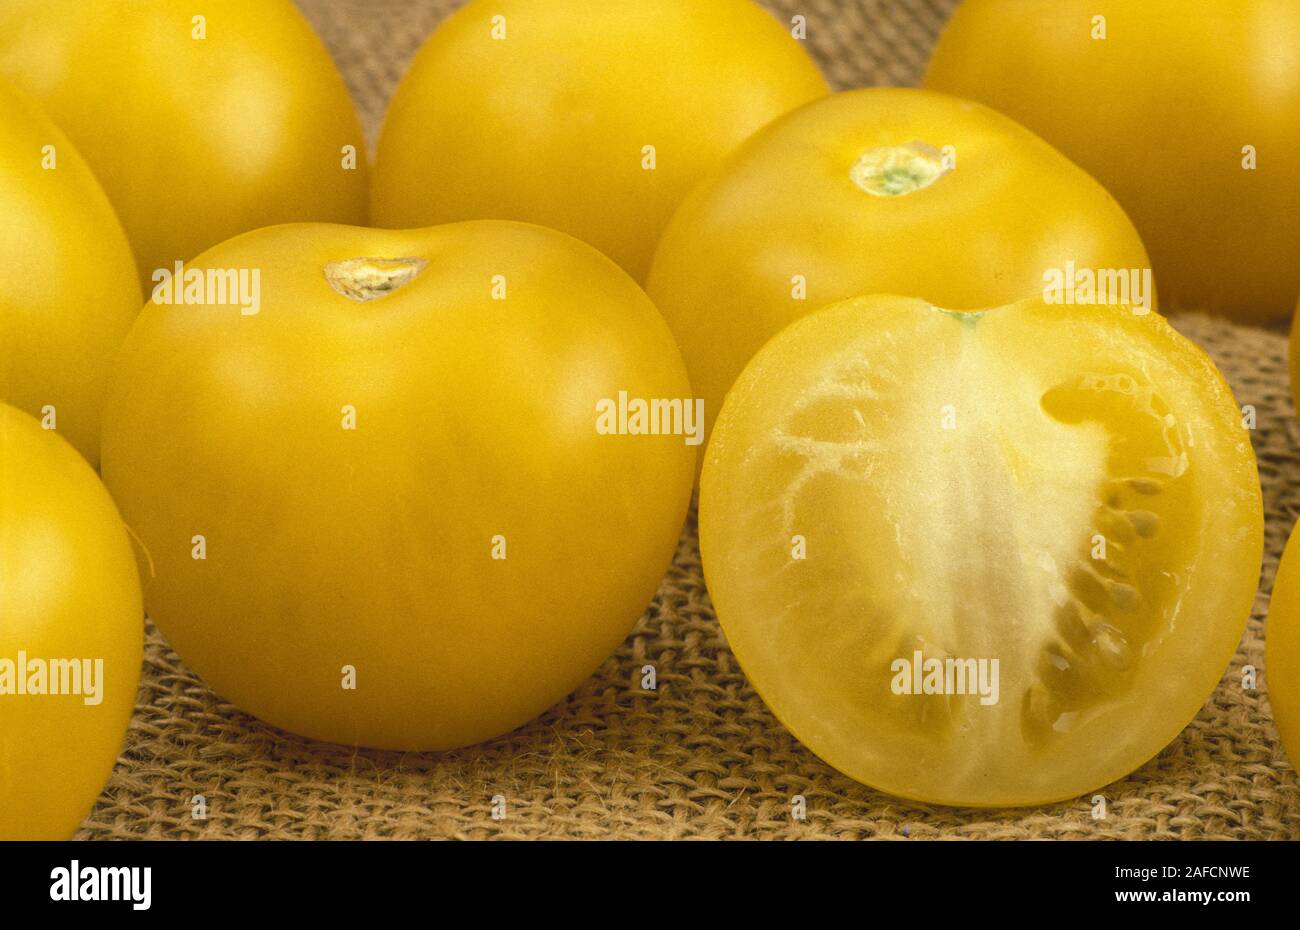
column 701, row 756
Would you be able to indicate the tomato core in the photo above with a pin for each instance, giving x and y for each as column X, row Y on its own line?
column 364, row 279
column 897, row 170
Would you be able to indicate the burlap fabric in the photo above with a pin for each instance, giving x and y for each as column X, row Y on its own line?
column 702, row 756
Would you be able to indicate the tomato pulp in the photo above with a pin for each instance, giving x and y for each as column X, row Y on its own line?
column 982, row 558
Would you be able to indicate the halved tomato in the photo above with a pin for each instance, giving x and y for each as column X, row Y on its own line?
column 982, row 558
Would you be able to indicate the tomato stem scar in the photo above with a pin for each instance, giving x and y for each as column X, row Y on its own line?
column 364, row 279
column 897, row 170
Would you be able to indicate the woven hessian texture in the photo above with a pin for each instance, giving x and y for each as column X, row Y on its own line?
column 702, row 756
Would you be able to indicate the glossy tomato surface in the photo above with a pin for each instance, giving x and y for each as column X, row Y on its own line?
column 69, row 604
column 68, row 286
column 879, row 190
column 1282, row 650
column 1066, row 492
column 201, row 120
column 591, row 118
column 1187, row 110
column 381, row 508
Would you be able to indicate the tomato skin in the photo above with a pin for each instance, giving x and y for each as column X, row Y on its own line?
column 1282, row 649
column 548, row 124
column 1293, row 358
column 195, row 140
column 844, row 523
column 374, row 547
column 68, row 590
column 785, row 205
column 68, row 288
column 1159, row 111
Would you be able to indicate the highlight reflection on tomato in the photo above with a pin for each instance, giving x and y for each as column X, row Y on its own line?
column 378, row 506
column 1067, row 492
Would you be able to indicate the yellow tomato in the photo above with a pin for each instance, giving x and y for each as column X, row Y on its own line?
column 68, row 288
column 386, row 505
column 1282, row 643
column 1187, row 110
column 591, row 118
column 71, row 632
column 1293, row 359
column 880, row 190
column 982, row 558
column 201, row 120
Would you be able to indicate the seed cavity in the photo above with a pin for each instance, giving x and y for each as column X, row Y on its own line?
column 1115, row 602
column 1111, row 647
column 1124, row 596
column 1145, row 485
column 1144, row 522
column 1039, row 710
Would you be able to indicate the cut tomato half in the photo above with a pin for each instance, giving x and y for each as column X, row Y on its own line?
column 982, row 558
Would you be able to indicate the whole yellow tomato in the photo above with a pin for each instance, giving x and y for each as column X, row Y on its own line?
column 68, row 287
column 982, row 558
column 394, row 500
column 879, row 190
column 201, row 120
column 1187, row 110
column 591, row 118
column 71, row 632
column 1282, row 645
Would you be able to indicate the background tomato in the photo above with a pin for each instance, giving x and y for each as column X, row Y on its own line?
column 1282, row 642
column 194, row 138
column 1160, row 108
column 851, row 195
column 541, row 110
column 1067, row 491
column 68, row 289
column 473, row 547
column 68, row 591
column 1293, row 358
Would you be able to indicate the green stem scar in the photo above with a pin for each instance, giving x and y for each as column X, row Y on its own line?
column 897, row 170
column 371, row 278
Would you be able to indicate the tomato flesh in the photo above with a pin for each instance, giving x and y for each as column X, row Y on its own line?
column 1067, row 492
